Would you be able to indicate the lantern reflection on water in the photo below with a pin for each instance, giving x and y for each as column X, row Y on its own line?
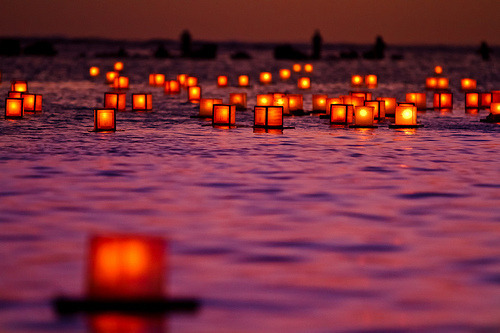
column 14, row 108
column 206, row 106
column 142, row 102
column 115, row 101
column 125, row 323
column 268, row 116
column 239, row 100
column 104, row 120
column 224, row 115
column 341, row 114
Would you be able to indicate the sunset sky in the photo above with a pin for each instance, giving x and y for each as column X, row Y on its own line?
column 460, row 22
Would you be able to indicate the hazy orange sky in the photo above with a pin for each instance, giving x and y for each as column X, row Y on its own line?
column 462, row 22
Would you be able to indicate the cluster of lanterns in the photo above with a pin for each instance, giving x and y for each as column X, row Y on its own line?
column 19, row 100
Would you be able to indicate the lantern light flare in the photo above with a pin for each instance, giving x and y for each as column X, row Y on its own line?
column 438, row 70
column 357, row 81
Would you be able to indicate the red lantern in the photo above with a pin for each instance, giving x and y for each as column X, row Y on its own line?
column 443, row 100
column 94, row 71
column 14, row 94
column 363, row 116
column 104, row 120
column 296, row 68
column 406, row 115
column 371, row 81
column 206, row 106
column 265, row 99
column 341, row 114
column 495, row 96
column 120, row 82
column 308, row 68
column 32, row 102
column 194, row 94
column 224, row 115
column 495, row 108
column 283, row 102
column 110, row 77
column 431, row 83
column 115, row 101
column 118, row 66
column 182, row 78
column 14, row 108
column 159, row 80
column 443, row 83
column 172, row 87
column 268, row 116
column 378, row 108
column 485, row 100
column 330, row 102
column 295, row 102
column 142, row 102
column 362, row 94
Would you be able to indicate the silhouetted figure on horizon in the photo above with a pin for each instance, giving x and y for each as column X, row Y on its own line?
column 186, row 44
column 484, row 51
column 378, row 51
column 317, row 43
column 161, row 52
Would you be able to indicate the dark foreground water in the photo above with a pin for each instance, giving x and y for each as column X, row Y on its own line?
column 317, row 229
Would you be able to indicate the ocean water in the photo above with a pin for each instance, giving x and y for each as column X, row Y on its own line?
column 316, row 229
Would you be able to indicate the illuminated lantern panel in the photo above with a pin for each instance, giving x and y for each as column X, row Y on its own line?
column 283, row 102
column 319, row 102
column 485, row 100
column 265, row 99
column 443, row 100
column 194, row 94
column 126, row 267
column 406, row 115
column 14, row 94
column 152, row 79
column 296, row 68
column 295, row 102
column 443, row 83
column 495, row 108
column 468, row 84
column 331, row 101
column 356, row 81
column 14, row 108
column 431, row 82
column 224, row 115
column 304, row 83
column 285, row 74
column 222, row 81
column 355, row 101
column 266, row 78
column 182, row 78
column 495, row 96
column 277, row 95
column 243, row 80
column 94, row 71
column 390, row 104
column 371, row 81
column 239, row 100
column 19, row 86
column 104, row 120
column 419, row 99
column 268, row 116
column 308, row 68
column 472, row 100
column 341, row 114
column 363, row 116
column 28, row 101
column 115, row 101
column 378, row 108
column 110, row 77
column 438, row 70
column 120, row 82
column 172, row 87
column 159, row 80
column 142, row 102
column 363, row 94
column 206, row 106
column 191, row 81
column 118, row 66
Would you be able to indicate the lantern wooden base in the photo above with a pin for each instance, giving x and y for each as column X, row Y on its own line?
column 491, row 118
column 65, row 306
column 405, row 126
column 362, row 126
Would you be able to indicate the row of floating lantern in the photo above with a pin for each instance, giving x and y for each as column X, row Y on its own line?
column 19, row 100
column 369, row 81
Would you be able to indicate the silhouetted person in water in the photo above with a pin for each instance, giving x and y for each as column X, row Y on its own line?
column 185, row 44
column 485, row 51
column 379, row 48
column 317, row 42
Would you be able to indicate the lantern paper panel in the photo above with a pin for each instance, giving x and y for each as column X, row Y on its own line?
column 495, row 96
column 115, row 101
column 110, row 77
column 468, row 84
column 431, row 83
column 443, row 100
column 485, row 100
column 239, row 100
column 378, row 108
column 472, row 100
column 206, row 106
column 121, row 82
column 268, row 116
column 14, row 108
column 341, row 114
column 159, row 80
column 495, row 108
column 363, row 116
column 419, row 99
column 295, row 102
column 355, row 101
column 282, row 101
column 29, row 102
column 365, row 95
column 14, row 94
column 19, row 86
column 104, row 120
column 443, row 83
column 265, row 99
column 390, row 105
column 406, row 115
column 142, row 102
column 243, row 80
column 191, row 81
column 224, row 115
column 172, row 87
column 319, row 102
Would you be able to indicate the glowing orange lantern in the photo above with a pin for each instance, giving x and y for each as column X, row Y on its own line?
column 354, row 101
column 194, row 94
column 443, row 100
column 159, row 80
column 363, row 116
column 118, row 66
column 32, row 102
column 419, row 99
column 142, row 102
column 14, row 94
column 304, row 83
column 390, row 105
column 152, row 79
column 243, row 80
column 239, row 100
column 468, row 84
column 224, row 115
column 110, row 77
column 319, row 102
column 94, row 71
column 296, row 68
column 115, row 101
column 283, row 102
column 268, row 116
column 495, row 108
column 266, row 78
column 406, row 115
column 222, row 81
column 356, row 81
column 120, row 82
column 191, row 81
column 330, row 102
column 341, row 114
column 18, row 85
column 485, row 100
column 295, row 102
column 14, row 108
column 431, row 83
column 495, row 96
column 182, row 78
column 443, row 83
column 472, row 100
column 206, row 106
column 371, row 81
column 438, row 69
column 285, row 74
column 363, row 94
column 104, row 120
column 378, row 108
column 265, row 99
column 308, row 68
column 126, row 267
column 172, row 87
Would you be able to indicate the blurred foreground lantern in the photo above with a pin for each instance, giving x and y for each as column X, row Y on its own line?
column 266, row 78
column 296, row 68
column 268, row 116
column 356, row 81
column 182, row 78
column 194, row 94
column 283, row 102
column 495, row 96
column 94, row 71
column 363, row 116
column 419, row 99
column 222, row 81
column 14, row 94
column 406, row 115
column 115, row 101
column 468, row 84
column 265, row 99
column 126, row 267
column 371, row 81
column 365, row 95
column 14, row 108
column 495, row 108
column 443, row 83
column 304, row 83
column 485, row 100
column 32, row 102
column 142, row 102
column 443, row 100
column 308, row 68
column 285, row 74
column 104, row 120
column 438, row 69
column 319, row 102
column 110, row 77
column 224, row 115
column 295, row 102
column 172, row 87
column 390, row 105
column 159, row 80
column 431, row 83
column 19, row 85
column 191, row 81
column 472, row 100
column 239, row 100
column 243, row 81
column 206, row 106
column 120, row 82
column 331, row 101
column 341, row 114
column 118, row 66
column 378, row 108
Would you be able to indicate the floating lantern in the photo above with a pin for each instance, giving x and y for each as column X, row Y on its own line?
column 443, row 83
column 438, row 70
column 115, row 101
column 224, row 115
column 194, row 94
column 191, row 81
column 104, row 120
column 222, row 81
column 468, row 84
column 159, row 80
column 390, row 105
column 378, row 108
column 406, row 115
column 363, row 94
column 120, row 82
column 330, row 102
column 266, row 78
column 304, row 83
column 14, row 108
column 118, row 66
column 295, row 102
column 243, row 81
column 308, row 68
column 319, row 102
column 371, row 81
column 356, row 81
column 485, row 100
column 239, row 100
column 282, row 101
column 182, row 78
column 495, row 108
column 363, row 116
column 14, row 94
column 94, row 71
column 172, row 87
column 296, row 68
column 285, row 74
column 142, row 102
column 152, row 79
column 443, row 100
column 19, row 85
column 265, row 99
column 472, row 100
column 268, row 116
column 495, row 96
column 110, row 77
column 32, row 102
column 419, row 99
column 355, row 101
column 341, row 114
column 206, row 106
column 431, row 83
column 126, row 267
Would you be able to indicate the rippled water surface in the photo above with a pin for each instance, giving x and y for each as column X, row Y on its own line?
column 317, row 229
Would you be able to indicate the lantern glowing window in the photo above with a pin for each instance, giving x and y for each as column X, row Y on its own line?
column 182, row 78
column 14, row 108
column 390, row 104
column 115, row 101
column 172, row 87
column 266, row 78
column 363, row 94
column 319, row 102
column 295, row 102
column 283, row 102
column 222, row 81
column 419, row 99
column 431, row 82
column 32, row 102
column 304, row 83
column 378, row 108
column 159, row 80
column 308, row 68
column 468, row 84
column 224, row 115
column 296, row 68
column 110, row 77
column 354, row 101
column 268, row 116
column 331, row 101
column 371, row 81
column 206, row 106
column 363, row 116
column 126, row 267
column 239, row 100
column 495, row 96
column 265, row 99
column 191, row 81
column 118, row 66
column 285, row 74
column 341, row 114
column 243, row 80
column 19, row 86
column 443, row 83
column 443, row 100
column 485, row 100
column 438, row 70
column 142, row 102
column 14, row 94
column 495, row 108
column 472, row 100
column 104, row 120
column 356, row 81
column 406, row 115
column 94, row 71
column 120, row 82
column 194, row 94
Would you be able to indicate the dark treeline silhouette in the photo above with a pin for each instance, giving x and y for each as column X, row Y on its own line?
column 12, row 47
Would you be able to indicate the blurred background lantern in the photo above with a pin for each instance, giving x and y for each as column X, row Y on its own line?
column 104, row 120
